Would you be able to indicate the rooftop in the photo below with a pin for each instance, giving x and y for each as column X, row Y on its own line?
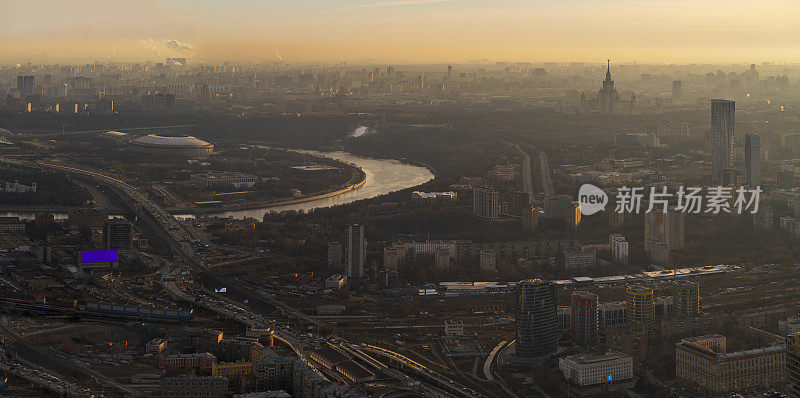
column 585, row 359
column 116, row 133
column 170, row 140
column 223, row 174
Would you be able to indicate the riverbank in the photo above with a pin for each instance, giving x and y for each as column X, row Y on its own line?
column 361, row 180
column 351, row 151
column 357, row 179
column 375, row 177
column 383, row 176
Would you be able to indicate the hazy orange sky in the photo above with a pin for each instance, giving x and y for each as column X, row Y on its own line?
column 402, row 31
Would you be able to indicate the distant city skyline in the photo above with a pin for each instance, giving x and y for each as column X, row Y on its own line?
column 402, row 31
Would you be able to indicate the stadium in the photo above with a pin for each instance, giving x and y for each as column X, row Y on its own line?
column 173, row 145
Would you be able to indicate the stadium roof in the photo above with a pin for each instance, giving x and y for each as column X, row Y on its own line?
column 170, row 140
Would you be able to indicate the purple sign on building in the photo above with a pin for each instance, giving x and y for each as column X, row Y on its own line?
column 98, row 256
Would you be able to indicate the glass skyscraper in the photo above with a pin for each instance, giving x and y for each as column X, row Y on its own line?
column 537, row 321
column 722, row 128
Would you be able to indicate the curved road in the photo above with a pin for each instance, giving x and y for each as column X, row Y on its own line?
column 181, row 241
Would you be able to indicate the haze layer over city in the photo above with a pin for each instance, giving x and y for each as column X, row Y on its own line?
column 412, row 198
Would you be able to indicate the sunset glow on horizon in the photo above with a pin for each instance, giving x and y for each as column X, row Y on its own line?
column 403, row 31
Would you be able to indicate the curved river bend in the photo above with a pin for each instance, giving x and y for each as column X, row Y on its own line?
column 382, row 176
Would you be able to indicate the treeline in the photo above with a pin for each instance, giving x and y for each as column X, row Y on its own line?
column 51, row 189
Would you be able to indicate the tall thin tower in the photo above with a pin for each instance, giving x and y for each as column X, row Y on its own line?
column 356, row 251
column 677, row 90
column 722, row 128
column 608, row 94
column 583, row 319
column 752, row 159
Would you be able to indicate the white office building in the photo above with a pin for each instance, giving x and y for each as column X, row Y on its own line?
column 586, row 370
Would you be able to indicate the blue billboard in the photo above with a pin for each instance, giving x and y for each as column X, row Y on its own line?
column 99, row 256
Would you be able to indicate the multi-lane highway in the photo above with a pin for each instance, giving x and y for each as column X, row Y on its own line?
column 182, row 286
column 527, row 176
column 545, row 178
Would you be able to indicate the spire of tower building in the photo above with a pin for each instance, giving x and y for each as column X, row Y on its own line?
column 608, row 96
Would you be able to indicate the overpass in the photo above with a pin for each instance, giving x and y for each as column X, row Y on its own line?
column 43, row 379
column 180, row 241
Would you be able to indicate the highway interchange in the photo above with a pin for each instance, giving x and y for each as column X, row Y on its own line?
column 178, row 279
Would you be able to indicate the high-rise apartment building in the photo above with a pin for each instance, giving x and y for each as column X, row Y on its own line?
column 26, row 85
column 752, row 159
column 356, row 254
column 762, row 219
column 563, row 209
column 583, row 319
column 518, row 203
column 663, row 232
column 722, row 129
column 639, row 306
column 393, row 256
column 335, row 255
column 687, row 299
column 573, row 220
column 486, row 203
column 537, row 321
column 117, row 234
column 619, row 248
column 677, row 89
column 488, row 260
column 442, row 258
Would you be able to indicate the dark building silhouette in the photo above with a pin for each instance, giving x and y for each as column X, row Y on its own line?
column 687, row 299
column 537, row 321
column 677, row 89
column 117, row 234
column 356, row 253
column 583, row 319
column 26, row 85
column 722, row 127
column 752, row 159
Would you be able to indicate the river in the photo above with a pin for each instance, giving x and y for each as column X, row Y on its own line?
column 382, row 176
